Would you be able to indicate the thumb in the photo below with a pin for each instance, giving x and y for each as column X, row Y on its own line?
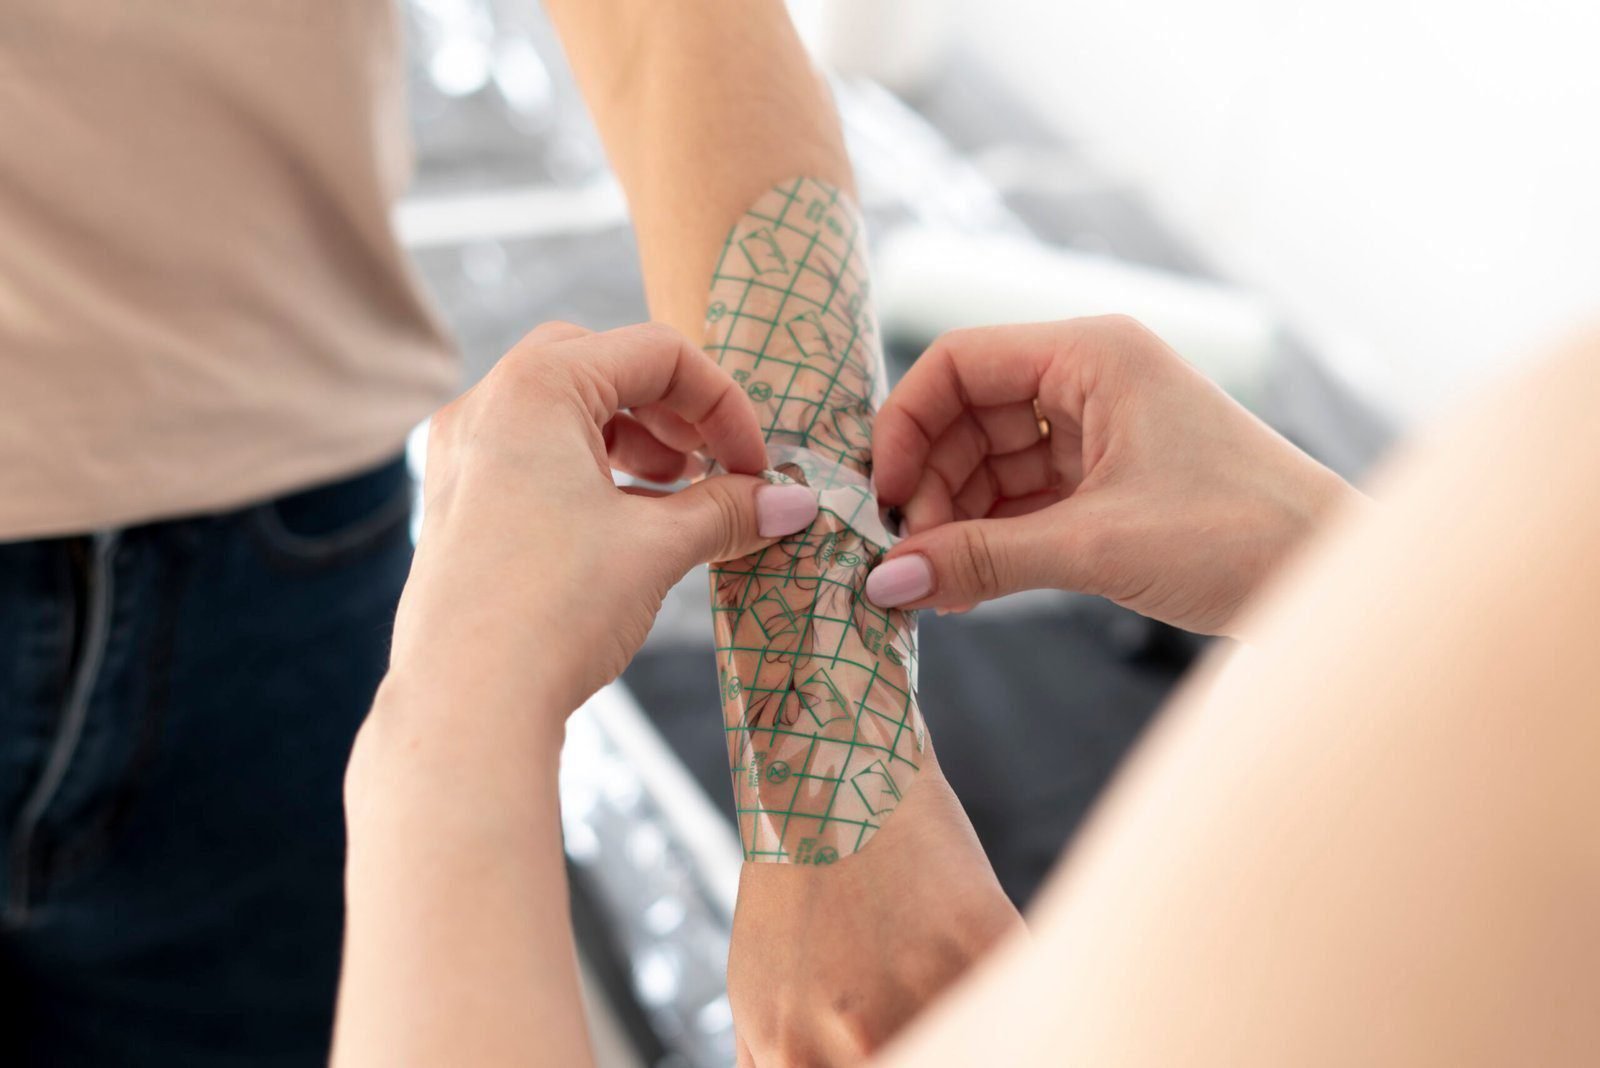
column 728, row 516
column 959, row 564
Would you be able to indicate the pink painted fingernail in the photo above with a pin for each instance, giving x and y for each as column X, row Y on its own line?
column 900, row 581
column 784, row 509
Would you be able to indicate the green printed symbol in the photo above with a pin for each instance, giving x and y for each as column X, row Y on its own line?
column 741, row 376
column 825, row 855
column 876, row 788
column 759, row 391
column 716, row 311
column 821, row 697
column 762, row 251
column 732, row 688
column 809, row 337
column 825, row 550
column 774, row 615
column 847, row 560
column 777, row 772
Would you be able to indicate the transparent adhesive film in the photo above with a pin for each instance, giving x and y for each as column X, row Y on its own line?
column 824, row 734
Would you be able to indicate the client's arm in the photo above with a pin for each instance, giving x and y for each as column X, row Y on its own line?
column 703, row 106
column 1373, row 841
column 727, row 144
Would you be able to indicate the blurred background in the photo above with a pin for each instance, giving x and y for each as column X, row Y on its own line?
column 1346, row 214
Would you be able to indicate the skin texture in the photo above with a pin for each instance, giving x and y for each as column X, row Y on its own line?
column 455, row 870
column 714, row 104
column 995, row 508
column 844, row 1011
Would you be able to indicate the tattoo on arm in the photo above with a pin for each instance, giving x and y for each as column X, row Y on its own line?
column 818, row 685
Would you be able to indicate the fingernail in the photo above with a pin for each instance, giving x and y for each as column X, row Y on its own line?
column 784, row 509
column 900, row 581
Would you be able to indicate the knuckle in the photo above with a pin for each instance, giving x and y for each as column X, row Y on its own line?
column 959, row 338
column 443, row 423
column 1120, row 325
column 653, row 333
column 857, row 1030
column 552, row 331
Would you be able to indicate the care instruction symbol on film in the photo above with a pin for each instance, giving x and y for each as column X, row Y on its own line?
column 876, row 788
column 716, row 312
column 825, row 706
column 774, row 616
column 761, row 249
column 810, row 337
column 825, row 855
column 777, row 772
column 759, row 391
column 817, row 212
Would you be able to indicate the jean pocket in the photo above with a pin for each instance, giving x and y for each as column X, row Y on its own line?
column 333, row 523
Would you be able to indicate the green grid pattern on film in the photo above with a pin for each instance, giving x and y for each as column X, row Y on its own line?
column 789, row 315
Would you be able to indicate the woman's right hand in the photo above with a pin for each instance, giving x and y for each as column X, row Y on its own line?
column 1152, row 488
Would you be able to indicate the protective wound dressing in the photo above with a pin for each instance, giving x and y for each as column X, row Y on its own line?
column 818, row 685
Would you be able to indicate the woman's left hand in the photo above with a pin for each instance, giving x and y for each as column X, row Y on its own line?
column 534, row 569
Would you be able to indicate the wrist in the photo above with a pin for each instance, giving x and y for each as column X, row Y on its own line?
column 468, row 748
column 1319, row 496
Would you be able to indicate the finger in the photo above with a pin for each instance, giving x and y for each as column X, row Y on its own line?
column 982, row 367
column 744, row 1058
column 1015, row 506
column 988, row 435
column 669, row 428
column 977, row 560
column 1019, row 474
column 633, row 449
column 959, row 450
column 652, row 364
column 930, row 506
column 1009, row 427
column 554, row 331
column 974, row 499
column 728, row 516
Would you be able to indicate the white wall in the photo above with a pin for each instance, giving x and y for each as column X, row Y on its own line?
column 1416, row 179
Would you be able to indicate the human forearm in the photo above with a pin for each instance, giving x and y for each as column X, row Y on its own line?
column 702, row 105
column 458, row 948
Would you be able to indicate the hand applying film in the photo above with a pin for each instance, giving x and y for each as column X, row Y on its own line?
column 525, row 531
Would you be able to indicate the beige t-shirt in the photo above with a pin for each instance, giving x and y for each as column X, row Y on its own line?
column 202, row 301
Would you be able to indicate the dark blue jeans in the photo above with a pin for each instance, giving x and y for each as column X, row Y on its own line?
column 177, row 702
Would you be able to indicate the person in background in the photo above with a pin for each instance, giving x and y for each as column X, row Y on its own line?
column 211, row 351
